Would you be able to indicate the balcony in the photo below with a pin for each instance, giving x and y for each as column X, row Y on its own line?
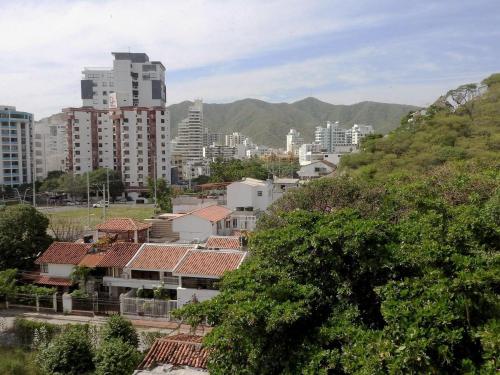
column 126, row 281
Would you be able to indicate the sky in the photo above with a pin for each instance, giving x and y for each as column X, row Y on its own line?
column 342, row 52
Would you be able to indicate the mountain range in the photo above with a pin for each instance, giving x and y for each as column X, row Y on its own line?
column 268, row 123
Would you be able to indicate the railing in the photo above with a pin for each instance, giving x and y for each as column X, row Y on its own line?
column 171, row 280
column 153, row 308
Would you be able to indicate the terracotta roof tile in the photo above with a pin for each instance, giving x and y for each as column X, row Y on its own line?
column 122, row 224
column 179, row 350
column 158, row 257
column 119, row 254
column 223, row 242
column 64, row 253
column 91, row 260
column 212, row 213
column 209, row 262
column 55, row 281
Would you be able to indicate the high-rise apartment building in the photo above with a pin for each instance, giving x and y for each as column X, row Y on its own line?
column 16, row 146
column 293, row 141
column 50, row 145
column 123, row 123
column 358, row 132
column 190, row 134
column 234, row 139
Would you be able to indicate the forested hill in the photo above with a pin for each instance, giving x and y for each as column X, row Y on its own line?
column 443, row 134
column 268, row 123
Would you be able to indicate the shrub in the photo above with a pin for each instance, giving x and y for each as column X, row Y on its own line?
column 148, row 338
column 115, row 357
column 69, row 353
column 16, row 362
column 31, row 333
column 117, row 327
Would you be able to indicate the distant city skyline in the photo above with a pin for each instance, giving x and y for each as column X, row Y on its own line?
column 279, row 51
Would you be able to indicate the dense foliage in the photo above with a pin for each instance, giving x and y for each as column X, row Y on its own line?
column 23, row 235
column 31, row 333
column 15, row 361
column 69, row 353
column 76, row 185
column 391, row 267
column 115, row 357
column 234, row 170
column 164, row 193
column 117, row 327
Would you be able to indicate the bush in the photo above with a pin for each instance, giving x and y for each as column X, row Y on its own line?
column 117, row 327
column 148, row 338
column 31, row 333
column 16, row 362
column 69, row 353
column 115, row 357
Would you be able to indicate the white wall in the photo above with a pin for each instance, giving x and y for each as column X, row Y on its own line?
column 309, row 171
column 240, row 194
column 186, row 295
column 191, row 227
column 60, row 270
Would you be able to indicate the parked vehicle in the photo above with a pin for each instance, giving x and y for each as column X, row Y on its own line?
column 100, row 204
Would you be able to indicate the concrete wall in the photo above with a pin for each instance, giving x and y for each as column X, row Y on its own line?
column 185, row 295
column 191, row 227
column 60, row 270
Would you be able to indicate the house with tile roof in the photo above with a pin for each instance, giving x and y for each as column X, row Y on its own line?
column 124, row 229
column 57, row 262
column 224, row 242
column 196, row 226
column 175, row 355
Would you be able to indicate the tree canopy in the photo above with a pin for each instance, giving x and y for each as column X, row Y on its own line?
column 390, row 267
column 23, row 235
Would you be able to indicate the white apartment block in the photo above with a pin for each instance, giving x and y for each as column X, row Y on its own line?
column 123, row 124
column 235, row 138
column 189, row 141
column 50, row 146
column 332, row 135
column 132, row 81
column 358, row 132
column 293, row 141
column 214, row 152
column 16, row 144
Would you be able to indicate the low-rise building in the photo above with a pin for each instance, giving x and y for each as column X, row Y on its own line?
column 281, row 185
column 320, row 168
column 124, row 229
column 175, row 355
column 198, row 225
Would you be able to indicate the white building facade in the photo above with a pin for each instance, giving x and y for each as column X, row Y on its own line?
column 16, row 162
column 50, row 145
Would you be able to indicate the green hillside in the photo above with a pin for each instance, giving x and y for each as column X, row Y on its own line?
column 441, row 135
column 268, row 123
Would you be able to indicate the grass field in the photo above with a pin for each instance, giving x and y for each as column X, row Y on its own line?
column 14, row 361
column 79, row 214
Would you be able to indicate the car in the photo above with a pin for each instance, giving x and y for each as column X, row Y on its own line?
column 100, row 204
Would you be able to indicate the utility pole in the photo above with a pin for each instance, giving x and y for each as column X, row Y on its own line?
column 104, row 201
column 107, row 180
column 88, row 200
column 154, row 176
column 34, row 183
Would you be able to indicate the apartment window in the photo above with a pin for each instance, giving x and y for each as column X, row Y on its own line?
column 228, row 224
column 104, row 93
column 76, row 128
column 139, row 136
column 259, row 193
column 125, row 120
column 162, row 120
column 104, row 101
column 139, row 120
column 99, row 130
column 77, row 144
column 235, row 223
column 140, row 168
column 77, row 136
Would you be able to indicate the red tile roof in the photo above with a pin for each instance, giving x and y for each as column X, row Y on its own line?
column 55, row 281
column 211, row 213
column 158, row 257
column 119, row 254
column 179, row 350
column 64, row 253
column 209, row 262
column 223, row 242
column 122, row 224
column 91, row 260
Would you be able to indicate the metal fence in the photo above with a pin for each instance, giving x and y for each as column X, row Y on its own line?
column 32, row 301
column 95, row 305
column 154, row 308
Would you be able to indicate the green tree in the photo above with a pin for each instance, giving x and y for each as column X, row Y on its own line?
column 73, row 184
column 80, row 275
column 99, row 177
column 117, row 327
column 115, row 357
column 69, row 353
column 23, row 235
column 164, row 193
column 7, row 282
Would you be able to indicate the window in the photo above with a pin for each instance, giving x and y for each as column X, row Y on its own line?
column 235, row 223
column 44, row 268
column 259, row 193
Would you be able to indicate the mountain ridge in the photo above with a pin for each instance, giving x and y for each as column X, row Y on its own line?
column 268, row 123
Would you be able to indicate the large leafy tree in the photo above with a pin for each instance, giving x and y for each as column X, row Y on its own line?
column 23, row 235
column 100, row 177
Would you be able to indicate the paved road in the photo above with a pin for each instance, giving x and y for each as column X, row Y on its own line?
column 48, row 209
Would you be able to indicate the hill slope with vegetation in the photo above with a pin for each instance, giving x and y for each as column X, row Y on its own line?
column 390, row 267
column 268, row 123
